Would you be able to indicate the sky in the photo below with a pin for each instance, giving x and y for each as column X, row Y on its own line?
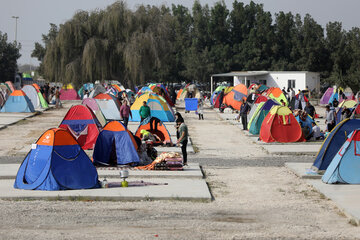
column 35, row 15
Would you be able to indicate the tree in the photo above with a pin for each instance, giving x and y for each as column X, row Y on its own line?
column 9, row 54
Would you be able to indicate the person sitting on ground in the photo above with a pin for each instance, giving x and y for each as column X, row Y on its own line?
column 316, row 134
column 146, row 135
column 282, row 102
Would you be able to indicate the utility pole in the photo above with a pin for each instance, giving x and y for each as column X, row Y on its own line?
column 16, row 20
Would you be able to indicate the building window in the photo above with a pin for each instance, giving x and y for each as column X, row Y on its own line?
column 262, row 82
column 291, row 83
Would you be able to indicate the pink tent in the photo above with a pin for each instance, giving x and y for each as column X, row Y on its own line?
column 91, row 103
column 327, row 95
column 69, row 94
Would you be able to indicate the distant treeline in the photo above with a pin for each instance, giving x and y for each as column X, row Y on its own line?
column 172, row 44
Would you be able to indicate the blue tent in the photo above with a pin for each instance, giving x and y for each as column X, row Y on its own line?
column 260, row 116
column 333, row 143
column 345, row 166
column 115, row 145
column 56, row 162
column 334, row 96
column 18, row 102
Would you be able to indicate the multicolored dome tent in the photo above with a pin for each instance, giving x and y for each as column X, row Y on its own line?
column 68, row 92
column 345, row 167
column 92, row 104
column 56, row 162
column 35, row 97
column 43, row 102
column 155, row 126
column 18, row 102
column 10, row 85
column 115, row 145
column 333, row 143
column 98, row 89
column 235, row 97
column 109, row 106
column 276, row 94
column 257, row 119
column 215, row 94
column 348, row 103
column 280, row 125
column 83, row 125
column 158, row 105
column 160, row 90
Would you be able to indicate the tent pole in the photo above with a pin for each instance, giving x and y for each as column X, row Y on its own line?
column 211, row 88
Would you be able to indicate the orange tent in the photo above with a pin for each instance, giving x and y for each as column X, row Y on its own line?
column 235, row 96
column 155, row 126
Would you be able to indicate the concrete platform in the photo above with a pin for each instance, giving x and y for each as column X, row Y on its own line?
column 193, row 171
column 302, row 170
column 345, row 196
column 7, row 119
column 175, row 189
column 292, row 149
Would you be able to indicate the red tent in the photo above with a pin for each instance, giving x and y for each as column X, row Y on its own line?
column 260, row 99
column 280, row 125
column 82, row 123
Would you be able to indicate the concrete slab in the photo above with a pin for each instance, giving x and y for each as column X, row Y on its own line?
column 302, row 170
column 167, row 189
column 193, row 171
column 345, row 196
column 292, row 149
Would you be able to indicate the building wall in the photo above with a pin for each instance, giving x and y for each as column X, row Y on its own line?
column 280, row 80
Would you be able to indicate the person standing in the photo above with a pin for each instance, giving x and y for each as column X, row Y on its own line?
column 200, row 109
column 183, row 139
column 330, row 119
column 309, row 109
column 125, row 112
column 221, row 98
column 144, row 111
column 57, row 98
column 244, row 110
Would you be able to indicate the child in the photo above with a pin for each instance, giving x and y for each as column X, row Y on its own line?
column 200, row 109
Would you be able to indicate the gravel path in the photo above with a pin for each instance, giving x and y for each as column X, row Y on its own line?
column 255, row 197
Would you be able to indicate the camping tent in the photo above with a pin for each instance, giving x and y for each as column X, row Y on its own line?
column 348, row 103
column 326, row 96
column 97, row 90
column 43, row 102
column 115, row 145
column 92, row 104
column 83, row 125
column 253, row 112
column 161, row 91
column 280, row 125
column 32, row 94
column 155, row 126
column 235, row 97
column 255, row 123
column 345, row 167
column 68, row 92
column 18, row 102
column 276, row 94
column 56, row 162
column 109, row 106
column 333, row 142
column 10, row 85
column 158, row 105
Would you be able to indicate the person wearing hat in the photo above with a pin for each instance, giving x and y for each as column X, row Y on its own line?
column 144, row 111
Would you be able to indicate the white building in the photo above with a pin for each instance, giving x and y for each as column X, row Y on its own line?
column 288, row 79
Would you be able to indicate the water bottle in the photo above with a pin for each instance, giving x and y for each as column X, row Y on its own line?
column 104, row 183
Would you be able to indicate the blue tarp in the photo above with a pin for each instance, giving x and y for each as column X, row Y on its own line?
column 191, row 104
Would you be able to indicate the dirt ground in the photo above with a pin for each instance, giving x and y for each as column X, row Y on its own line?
column 257, row 202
